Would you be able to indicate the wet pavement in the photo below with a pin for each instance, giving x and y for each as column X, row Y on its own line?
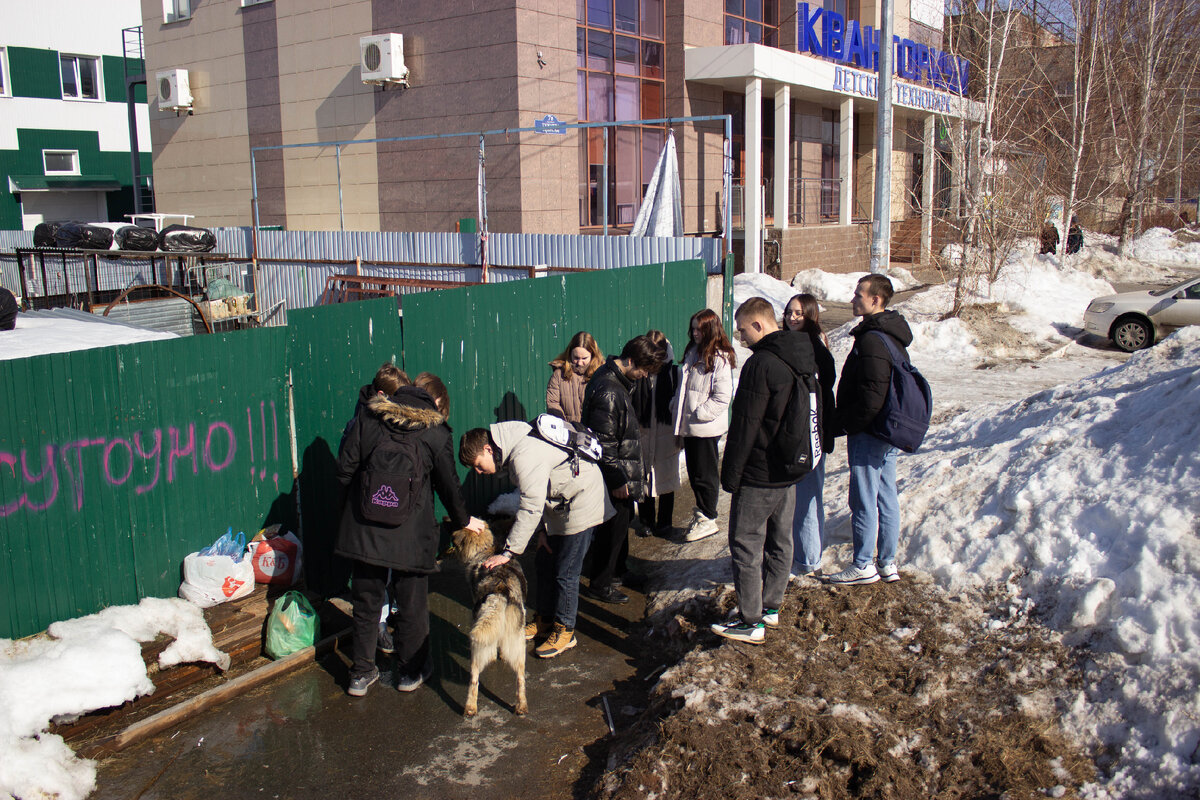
column 302, row 737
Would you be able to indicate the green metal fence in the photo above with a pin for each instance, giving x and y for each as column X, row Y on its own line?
column 115, row 463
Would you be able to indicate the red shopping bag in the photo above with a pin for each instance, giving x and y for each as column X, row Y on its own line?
column 276, row 557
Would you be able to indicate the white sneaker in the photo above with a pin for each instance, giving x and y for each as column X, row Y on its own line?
column 740, row 632
column 853, row 576
column 701, row 528
column 770, row 617
column 889, row 573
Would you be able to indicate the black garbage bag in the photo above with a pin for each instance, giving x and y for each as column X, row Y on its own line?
column 81, row 236
column 44, row 233
column 186, row 239
column 135, row 237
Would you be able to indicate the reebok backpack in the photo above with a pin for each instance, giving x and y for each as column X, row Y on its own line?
column 904, row 418
column 393, row 480
column 798, row 441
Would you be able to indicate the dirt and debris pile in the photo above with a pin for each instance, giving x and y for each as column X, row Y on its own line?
column 889, row 691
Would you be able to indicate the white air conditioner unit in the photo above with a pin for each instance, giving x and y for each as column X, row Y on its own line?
column 381, row 59
column 174, row 90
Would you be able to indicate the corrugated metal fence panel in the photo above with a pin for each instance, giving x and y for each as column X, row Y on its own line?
column 173, row 314
column 115, row 463
column 334, row 350
column 491, row 344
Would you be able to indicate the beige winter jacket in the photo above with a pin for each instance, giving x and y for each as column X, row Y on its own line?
column 702, row 405
column 564, row 397
column 543, row 477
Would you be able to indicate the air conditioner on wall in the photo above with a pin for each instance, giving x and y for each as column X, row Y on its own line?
column 174, row 90
column 381, row 59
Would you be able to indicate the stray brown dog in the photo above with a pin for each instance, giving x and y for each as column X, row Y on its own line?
column 498, row 630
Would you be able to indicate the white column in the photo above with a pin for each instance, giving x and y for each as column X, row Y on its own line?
column 929, row 159
column 846, row 161
column 783, row 150
column 753, row 189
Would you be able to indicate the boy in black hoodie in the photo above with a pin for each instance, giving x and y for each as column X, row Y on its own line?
column 755, row 473
column 866, row 380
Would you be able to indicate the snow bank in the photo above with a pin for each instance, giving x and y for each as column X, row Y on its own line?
column 89, row 663
column 36, row 335
column 839, row 287
column 1085, row 499
column 1159, row 246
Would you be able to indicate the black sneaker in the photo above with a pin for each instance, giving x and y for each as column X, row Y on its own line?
column 608, row 594
column 407, row 683
column 360, row 683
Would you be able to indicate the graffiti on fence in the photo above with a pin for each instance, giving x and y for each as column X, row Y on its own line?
column 62, row 470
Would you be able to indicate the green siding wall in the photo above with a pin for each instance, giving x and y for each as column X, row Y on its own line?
column 117, row 462
column 34, row 72
column 115, row 69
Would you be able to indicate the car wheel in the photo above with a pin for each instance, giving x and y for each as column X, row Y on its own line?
column 1132, row 333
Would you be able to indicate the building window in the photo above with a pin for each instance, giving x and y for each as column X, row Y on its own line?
column 752, row 22
column 254, row 2
column 60, row 162
column 175, row 10
column 619, row 46
column 80, row 77
column 4, row 90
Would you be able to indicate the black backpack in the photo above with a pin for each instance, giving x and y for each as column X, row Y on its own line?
column 393, row 479
column 798, row 440
column 904, row 418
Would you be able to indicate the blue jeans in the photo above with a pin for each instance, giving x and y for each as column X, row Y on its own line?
column 808, row 525
column 558, row 576
column 874, row 501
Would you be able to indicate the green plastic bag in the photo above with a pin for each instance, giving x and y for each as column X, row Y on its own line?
column 293, row 625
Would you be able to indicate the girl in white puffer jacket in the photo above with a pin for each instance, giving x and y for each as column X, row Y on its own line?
column 702, row 414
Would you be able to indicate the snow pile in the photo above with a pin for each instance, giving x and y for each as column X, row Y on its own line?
column 90, row 663
column 1159, row 246
column 839, row 288
column 37, row 334
column 1085, row 499
column 759, row 284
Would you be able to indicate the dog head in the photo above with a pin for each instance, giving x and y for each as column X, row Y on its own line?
column 469, row 545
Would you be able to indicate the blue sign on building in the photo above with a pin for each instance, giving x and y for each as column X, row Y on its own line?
column 859, row 45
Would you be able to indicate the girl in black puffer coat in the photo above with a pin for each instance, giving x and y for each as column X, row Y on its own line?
column 407, row 419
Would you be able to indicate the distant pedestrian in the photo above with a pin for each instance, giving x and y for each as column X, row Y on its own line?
column 1074, row 236
column 608, row 411
column 571, row 505
column 1049, row 238
column 702, row 414
column 653, row 397
column 866, row 380
column 569, row 374
column 803, row 313
column 396, row 452
column 758, row 473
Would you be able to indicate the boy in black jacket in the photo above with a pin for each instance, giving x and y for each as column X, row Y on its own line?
column 754, row 472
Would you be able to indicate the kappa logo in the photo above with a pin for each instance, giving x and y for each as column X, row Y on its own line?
column 385, row 496
column 231, row 585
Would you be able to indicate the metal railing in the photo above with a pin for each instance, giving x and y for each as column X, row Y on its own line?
column 814, row 200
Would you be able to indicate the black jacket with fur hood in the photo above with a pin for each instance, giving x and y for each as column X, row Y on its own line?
column 412, row 546
column 867, row 374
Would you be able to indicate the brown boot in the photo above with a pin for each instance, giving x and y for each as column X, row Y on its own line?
column 560, row 641
column 538, row 628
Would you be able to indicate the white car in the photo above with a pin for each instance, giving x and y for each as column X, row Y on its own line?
column 1134, row 320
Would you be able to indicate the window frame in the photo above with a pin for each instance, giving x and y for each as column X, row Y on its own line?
column 5, row 75
column 74, row 154
column 77, row 75
column 172, row 12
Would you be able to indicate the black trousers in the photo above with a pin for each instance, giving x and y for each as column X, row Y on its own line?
column 368, row 593
column 610, row 545
column 704, row 472
column 665, row 508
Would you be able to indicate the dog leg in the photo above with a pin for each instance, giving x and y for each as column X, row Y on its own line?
column 471, row 707
column 513, row 654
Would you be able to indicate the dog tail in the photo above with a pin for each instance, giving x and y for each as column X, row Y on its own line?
column 490, row 621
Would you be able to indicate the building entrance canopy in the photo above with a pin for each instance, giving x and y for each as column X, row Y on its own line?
column 814, row 79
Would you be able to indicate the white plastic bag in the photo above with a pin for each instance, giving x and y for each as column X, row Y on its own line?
column 209, row 580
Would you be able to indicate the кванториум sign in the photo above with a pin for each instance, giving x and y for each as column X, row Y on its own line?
column 856, row 44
